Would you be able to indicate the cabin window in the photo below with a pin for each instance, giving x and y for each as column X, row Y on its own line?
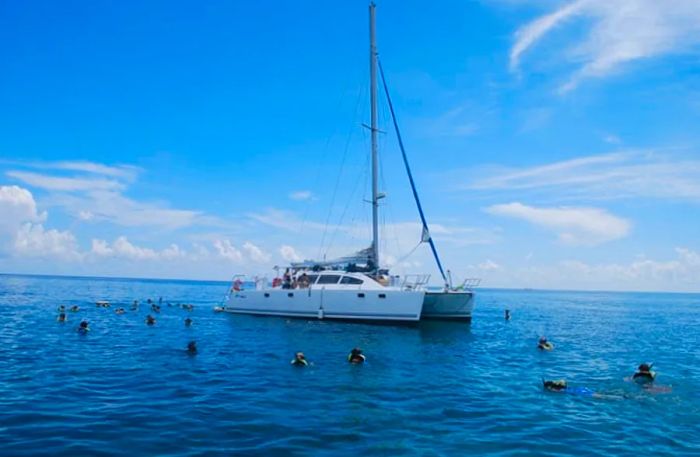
column 328, row 279
column 382, row 295
column 290, row 294
column 267, row 294
column 361, row 295
column 312, row 278
column 350, row 280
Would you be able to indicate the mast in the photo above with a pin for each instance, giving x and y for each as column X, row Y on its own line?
column 373, row 129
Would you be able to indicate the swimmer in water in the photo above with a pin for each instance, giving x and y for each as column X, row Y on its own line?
column 75, row 308
column 560, row 386
column 188, row 322
column 507, row 315
column 61, row 317
column 644, row 375
column 356, row 356
column 135, row 305
column 150, row 320
column 61, row 308
column 192, row 347
column 120, row 310
column 84, row 327
column 544, row 345
column 300, row 360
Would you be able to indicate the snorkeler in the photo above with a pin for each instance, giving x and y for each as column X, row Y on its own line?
column 61, row 317
column 192, row 347
column 356, row 356
column 560, row 386
column 644, row 374
column 300, row 360
column 188, row 322
column 84, row 327
column 544, row 345
column 150, row 320
column 75, row 308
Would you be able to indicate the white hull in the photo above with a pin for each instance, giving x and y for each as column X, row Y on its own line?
column 321, row 303
column 448, row 305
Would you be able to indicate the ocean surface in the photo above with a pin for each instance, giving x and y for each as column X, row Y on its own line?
column 436, row 388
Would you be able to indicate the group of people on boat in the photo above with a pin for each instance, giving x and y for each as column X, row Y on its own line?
column 355, row 357
column 290, row 281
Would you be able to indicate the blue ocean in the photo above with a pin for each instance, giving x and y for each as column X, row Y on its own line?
column 436, row 388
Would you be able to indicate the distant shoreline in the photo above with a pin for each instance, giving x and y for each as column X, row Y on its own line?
column 225, row 282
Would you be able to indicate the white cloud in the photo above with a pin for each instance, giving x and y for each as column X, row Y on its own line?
column 255, row 253
column 301, row 195
column 32, row 240
column 17, row 205
column 616, row 175
column 114, row 207
column 122, row 248
column 488, row 265
column 21, row 231
column 588, row 226
column 289, row 254
column 117, row 171
column 621, row 31
column 225, row 249
column 61, row 183
column 97, row 195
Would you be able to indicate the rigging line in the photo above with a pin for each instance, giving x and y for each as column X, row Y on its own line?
column 342, row 216
column 408, row 172
column 324, row 155
column 335, row 188
column 410, row 253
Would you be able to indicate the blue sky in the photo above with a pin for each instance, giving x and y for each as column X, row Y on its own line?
column 554, row 143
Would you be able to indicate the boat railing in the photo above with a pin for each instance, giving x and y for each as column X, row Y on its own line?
column 415, row 282
column 469, row 284
column 245, row 282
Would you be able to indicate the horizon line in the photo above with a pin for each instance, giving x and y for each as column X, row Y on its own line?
column 223, row 281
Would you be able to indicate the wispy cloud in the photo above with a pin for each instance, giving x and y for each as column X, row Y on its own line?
column 95, row 192
column 122, row 171
column 621, row 31
column 573, row 225
column 607, row 176
column 301, row 195
column 70, row 184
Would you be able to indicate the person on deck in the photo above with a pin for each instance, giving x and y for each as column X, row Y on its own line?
column 303, row 281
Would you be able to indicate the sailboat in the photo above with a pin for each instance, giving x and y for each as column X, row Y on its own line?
column 355, row 287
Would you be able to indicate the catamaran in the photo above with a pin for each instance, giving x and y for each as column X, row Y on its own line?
column 355, row 287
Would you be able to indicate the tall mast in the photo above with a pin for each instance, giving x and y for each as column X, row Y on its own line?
column 373, row 129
